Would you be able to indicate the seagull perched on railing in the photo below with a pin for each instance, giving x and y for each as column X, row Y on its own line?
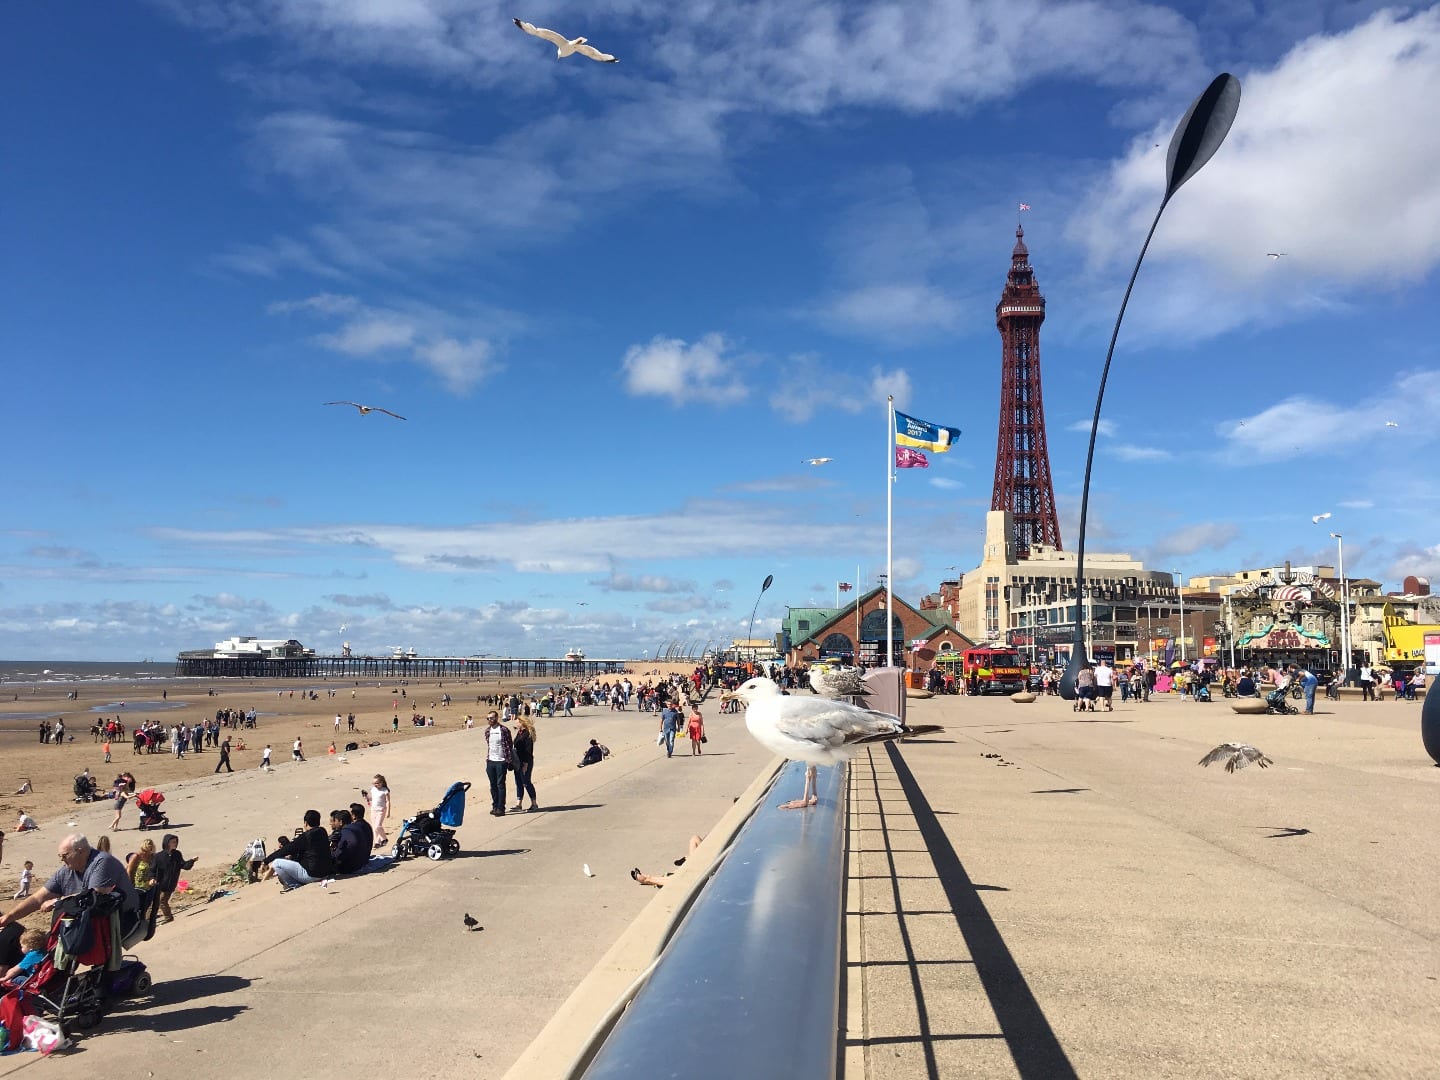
column 842, row 682
column 1236, row 755
column 815, row 730
column 366, row 410
column 565, row 46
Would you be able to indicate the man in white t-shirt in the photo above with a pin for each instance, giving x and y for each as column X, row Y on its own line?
column 1105, row 684
column 499, row 753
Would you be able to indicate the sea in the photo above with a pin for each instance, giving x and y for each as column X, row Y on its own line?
column 37, row 672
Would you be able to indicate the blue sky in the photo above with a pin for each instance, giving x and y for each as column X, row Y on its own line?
column 620, row 303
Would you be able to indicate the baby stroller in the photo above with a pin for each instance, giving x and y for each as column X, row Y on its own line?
column 87, row 789
column 1276, row 704
column 151, row 816
column 1202, row 692
column 426, row 833
column 86, row 968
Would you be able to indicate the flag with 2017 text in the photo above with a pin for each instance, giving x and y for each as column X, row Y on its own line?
column 923, row 435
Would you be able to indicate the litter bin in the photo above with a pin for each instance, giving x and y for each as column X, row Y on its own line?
column 887, row 690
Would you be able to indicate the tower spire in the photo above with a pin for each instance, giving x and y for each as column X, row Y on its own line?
column 1022, row 458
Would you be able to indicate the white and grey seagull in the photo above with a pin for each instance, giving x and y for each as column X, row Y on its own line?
column 838, row 682
column 1236, row 755
column 366, row 410
column 565, row 46
column 815, row 730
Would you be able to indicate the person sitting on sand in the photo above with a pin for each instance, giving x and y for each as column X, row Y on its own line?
column 304, row 859
column 594, row 754
column 26, row 823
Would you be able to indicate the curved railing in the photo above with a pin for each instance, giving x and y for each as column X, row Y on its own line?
column 749, row 984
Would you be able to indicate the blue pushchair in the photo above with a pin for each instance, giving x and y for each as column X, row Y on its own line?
column 432, row 832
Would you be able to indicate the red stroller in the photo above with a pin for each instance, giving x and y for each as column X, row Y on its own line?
column 151, row 816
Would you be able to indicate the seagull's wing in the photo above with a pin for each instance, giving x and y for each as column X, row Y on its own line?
column 551, row 36
column 387, row 412
column 823, row 722
column 595, row 54
column 356, row 404
column 1248, row 754
column 1223, row 752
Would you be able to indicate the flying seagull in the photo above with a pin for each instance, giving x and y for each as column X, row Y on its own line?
column 1391, row 423
column 818, row 731
column 843, row 682
column 1236, row 755
column 1320, row 517
column 817, row 461
column 1275, row 254
column 565, row 46
column 366, row 410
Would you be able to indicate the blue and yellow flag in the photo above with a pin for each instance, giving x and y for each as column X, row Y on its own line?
column 923, row 435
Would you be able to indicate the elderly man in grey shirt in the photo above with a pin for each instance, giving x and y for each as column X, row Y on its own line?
column 82, row 867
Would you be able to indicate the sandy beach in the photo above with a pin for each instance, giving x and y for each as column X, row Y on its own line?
column 284, row 712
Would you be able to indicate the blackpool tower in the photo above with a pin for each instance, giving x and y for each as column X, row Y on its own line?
column 1022, row 461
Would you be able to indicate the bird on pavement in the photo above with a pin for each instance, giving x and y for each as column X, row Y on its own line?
column 366, row 410
column 565, row 46
column 1236, row 755
column 472, row 923
column 815, row 730
column 843, row 682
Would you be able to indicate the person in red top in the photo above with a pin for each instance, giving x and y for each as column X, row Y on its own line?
column 696, row 729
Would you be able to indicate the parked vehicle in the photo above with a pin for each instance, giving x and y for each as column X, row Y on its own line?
column 994, row 670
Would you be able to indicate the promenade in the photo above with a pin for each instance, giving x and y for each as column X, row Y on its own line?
column 1091, row 903
column 1102, row 907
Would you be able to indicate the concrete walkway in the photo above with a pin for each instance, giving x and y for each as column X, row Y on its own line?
column 1092, row 903
column 376, row 976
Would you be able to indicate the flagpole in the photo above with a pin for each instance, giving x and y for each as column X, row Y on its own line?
column 890, row 534
column 855, row 658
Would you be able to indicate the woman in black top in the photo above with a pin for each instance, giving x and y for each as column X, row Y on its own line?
column 524, row 745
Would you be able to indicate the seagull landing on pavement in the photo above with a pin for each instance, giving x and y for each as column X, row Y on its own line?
column 565, row 46
column 818, row 731
column 817, row 461
column 845, row 682
column 1236, row 755
column 366, row 410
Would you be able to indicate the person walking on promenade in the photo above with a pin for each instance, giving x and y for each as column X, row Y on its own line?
column 1367, row 683
column 499, row 754
column 524, row 746
column 696, row 730
column 1105, row 684
column 224, row 756
column 669, row 726
column 378, row 797
column 297, row 752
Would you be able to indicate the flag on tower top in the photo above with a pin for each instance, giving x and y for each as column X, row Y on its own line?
column 1024, row 206
column 923, row 435
column 905, row 458
column 844, row 586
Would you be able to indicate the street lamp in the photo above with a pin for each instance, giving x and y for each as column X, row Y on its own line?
column 1180, row 589
column 750, row 634
column 1199, row 135
column 1344, row 607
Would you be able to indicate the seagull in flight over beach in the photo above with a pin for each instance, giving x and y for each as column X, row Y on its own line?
column 565, row 46
column 818, row 731
column 1317, row 518
column 1236, row 755
column 1391, row 423
column 1274, row 254
column 817, row 461
column 366, row 410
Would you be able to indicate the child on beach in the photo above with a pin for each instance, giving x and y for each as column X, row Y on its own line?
column 33, row 942
column 265, row 759
column 26, row 823
column 25, row 875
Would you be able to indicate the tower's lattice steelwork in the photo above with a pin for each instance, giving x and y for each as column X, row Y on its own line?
column 1022, row 460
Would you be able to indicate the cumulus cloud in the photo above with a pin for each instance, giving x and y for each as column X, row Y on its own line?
column 1105, row 428
column 618, row 582
column 804, row 387
column 367, row 600
column 1204, row 536
column 945, row 483
column 1323, row 163
column 705, row 371
column 1126, row 452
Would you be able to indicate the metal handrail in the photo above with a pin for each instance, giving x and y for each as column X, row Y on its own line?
column 750, row 983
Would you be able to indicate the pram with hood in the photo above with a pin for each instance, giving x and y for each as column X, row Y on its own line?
column 85, row 968
column 151, row 816
column 427, row 832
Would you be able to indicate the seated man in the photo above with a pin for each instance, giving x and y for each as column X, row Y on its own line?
column 357, row 818
column 1246, row 686
column 348, row 844
column 304, row 859
column 82, row 868
column 594, row 753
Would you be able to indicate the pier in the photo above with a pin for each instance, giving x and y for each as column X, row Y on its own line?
column 204, row 664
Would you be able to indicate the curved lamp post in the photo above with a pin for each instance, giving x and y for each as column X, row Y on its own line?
column 1194, row 143
column 750, row 634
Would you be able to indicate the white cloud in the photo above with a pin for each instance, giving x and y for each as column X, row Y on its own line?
column 420, row 334
column 704, row 372
column 1105, row 428
column 1323, row 163
column 944, row 483
column 1306, row 424
column 803, row 386
column 1127, row 452
column 890, row 309
column 1190, row 539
